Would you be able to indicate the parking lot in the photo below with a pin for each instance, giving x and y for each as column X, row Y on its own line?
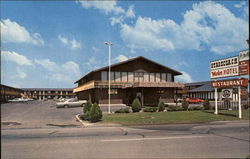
column 39, row 114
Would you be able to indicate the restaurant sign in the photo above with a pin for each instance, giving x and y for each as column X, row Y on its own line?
column 244, row 63
column 230, row 83
column 226, row 93
column 224, row 68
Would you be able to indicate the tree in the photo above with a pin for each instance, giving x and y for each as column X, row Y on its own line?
column 95, row 113
column 184, row 105
column 86, row 110
column 136, row 105
column 206, row 105
column 161, row 106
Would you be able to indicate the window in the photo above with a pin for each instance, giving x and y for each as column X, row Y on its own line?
column 124, row 76
column 169, row 77
column 113, row 91
column 104, row 75
column 117, row 76
column 152, row 77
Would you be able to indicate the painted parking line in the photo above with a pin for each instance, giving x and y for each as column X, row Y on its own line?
column 155, row 138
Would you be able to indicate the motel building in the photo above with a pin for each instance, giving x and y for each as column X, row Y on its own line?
column 205, row 90
column 48, row 93
column 137, row 77
column 8, row 92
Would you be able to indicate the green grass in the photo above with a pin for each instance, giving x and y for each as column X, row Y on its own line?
column 173, row 117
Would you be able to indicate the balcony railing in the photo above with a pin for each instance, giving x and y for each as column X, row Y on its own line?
column 104, row 84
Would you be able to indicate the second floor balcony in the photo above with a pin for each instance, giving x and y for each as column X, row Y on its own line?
column 105, row 84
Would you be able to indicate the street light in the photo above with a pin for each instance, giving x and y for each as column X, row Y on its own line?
column 109, row 44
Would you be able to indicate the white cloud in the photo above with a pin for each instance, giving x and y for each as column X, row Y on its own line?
column 130, row 12
column 14, row 33
column 21, row 74
column 95, row 49
column 239, row 5
column 104, row 6
column 146, row 34
column 63, row 39
column 73, row 44
column 48, row 64
column 108, row 7
column 119, row 58
column 185, row 77
column 116, row 20
column 66, row 72
column 208, row 24
column 15, row 57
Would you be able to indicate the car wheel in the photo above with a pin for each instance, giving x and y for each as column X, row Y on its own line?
column 66, row 106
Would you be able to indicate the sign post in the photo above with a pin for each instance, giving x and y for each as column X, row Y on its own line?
column 216, row 104
column 229, row 67
column 240, row 115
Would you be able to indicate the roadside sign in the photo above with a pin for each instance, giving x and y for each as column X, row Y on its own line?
column 230, row 83
column 224, row 68
column 244, row 63
column 226, row 93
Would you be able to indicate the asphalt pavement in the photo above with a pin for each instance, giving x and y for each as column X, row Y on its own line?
column 39, row 114
column 48, row 132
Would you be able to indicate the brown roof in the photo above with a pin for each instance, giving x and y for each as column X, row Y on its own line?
column 129, row 60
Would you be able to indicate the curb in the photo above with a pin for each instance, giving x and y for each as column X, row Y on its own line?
column 82, row 122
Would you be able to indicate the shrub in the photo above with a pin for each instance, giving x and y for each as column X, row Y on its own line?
column 95, row 113
column 87, row 107
column 161, row 106
column 184, row 105
column 206, row 105
column 122, row 110
column 174, row 108
column 246, row 106
column 195, row 108
column 150, row 109
column 136, row 105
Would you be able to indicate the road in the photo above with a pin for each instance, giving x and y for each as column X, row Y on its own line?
column 210, row 140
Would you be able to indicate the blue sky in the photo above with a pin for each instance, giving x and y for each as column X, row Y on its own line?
column 54, row 43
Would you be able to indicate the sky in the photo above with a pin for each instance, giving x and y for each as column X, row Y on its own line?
column 51, row 44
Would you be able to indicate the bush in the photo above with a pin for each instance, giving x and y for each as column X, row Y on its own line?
column 206, row 105
column 184, row 105
column 174, row 108
column 87, row 107
column 246, row 106
column 195, row 108
column 161, row 106
column 136, row 105
column 95, row 113
column 150, row 109
column 122, row 110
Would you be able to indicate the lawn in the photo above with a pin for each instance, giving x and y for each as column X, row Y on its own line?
column 173, row 117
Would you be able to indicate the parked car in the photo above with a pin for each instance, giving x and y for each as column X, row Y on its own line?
column 195, row 100
column 73, row 102
column 17, row 100
column 179, row 100
column 61, row 99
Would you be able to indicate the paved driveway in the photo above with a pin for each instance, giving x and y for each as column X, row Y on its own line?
column 37, row 114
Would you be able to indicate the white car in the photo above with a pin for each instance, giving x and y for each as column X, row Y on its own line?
column 73, row 102
column 17, row 100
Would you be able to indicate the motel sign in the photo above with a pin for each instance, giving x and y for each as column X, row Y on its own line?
column 229, row 67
